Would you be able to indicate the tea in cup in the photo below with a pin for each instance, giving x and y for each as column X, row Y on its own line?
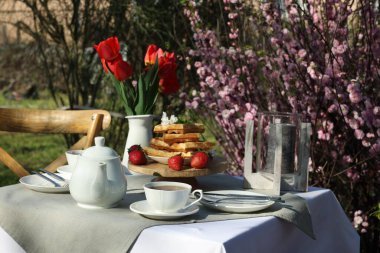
column 168, row 196
column 72, row 157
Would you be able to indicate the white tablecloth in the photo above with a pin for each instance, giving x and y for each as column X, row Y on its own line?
column 333, row 231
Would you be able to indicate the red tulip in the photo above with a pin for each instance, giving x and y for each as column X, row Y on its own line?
column 166, row 68
column 108, row 49
column 167, row 74
column 167, row 57
column 169, row 84
column 151, row 54
column 121, row 70
column 110, row 65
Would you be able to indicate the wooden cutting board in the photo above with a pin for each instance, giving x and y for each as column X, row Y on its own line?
column 216, row 165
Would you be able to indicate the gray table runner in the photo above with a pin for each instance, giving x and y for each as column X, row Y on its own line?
column 42, row 222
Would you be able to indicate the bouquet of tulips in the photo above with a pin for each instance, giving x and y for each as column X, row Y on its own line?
column 159, row 76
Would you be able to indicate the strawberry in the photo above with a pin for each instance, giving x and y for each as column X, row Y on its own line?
column 199, row 160
column 137, row 157
column 176, row 162
column 134, row 147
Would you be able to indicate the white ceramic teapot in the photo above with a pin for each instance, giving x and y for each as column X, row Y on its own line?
column 98, row 181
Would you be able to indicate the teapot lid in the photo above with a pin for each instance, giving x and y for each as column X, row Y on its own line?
column 99, row 150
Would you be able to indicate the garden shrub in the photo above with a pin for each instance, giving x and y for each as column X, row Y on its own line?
column 320, row 59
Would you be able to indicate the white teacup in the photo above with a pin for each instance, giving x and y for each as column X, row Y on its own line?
column 165, row 196
column 72, row 157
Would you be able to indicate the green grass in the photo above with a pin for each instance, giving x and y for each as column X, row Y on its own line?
column 44, row 102
column 31, row 151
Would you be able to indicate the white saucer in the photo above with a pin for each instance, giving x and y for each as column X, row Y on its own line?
column 65, row 169
column 142, row 207
column 236, row 205
column 39, row 184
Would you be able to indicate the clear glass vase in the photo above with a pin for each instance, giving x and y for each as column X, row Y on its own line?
column 277, row 141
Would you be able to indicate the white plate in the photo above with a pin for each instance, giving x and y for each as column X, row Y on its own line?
column 164, row 160
column 39, row 184
column 236, row 205
column 142, row 207
column 66, row 169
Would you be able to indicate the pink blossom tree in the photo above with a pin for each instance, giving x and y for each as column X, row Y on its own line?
column 318, row 58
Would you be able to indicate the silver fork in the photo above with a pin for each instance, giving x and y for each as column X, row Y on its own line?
column 54, row 175
column 56, row 184
column 240, row 201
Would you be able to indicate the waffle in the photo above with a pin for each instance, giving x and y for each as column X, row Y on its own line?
column 164, row 153
column 174, row 138
column 183, row 139
column 179, row 128
column 181, row 147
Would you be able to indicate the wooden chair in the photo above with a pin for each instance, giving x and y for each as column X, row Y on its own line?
column 88, row 122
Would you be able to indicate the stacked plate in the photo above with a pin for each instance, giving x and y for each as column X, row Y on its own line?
column 235, row 201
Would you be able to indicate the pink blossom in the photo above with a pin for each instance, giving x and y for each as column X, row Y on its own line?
column 293, row 11
column 375, row 149
column 359, row 134
column 328, row 93
column 347, row 159
column 354, row 124
column 358, row 220
column 197, row 64
column 239, row 123
column 376, row 110
column 232, row 15
column 323, row 135
column 226, row 114
column 302, row 53
column 194, row 104
column 248, row 116
column 338, row 47
column 201, row 71
column 366, row 143
column 332, row 108
column 355, row 97
column 315, row 18
column 312, row 72
column 354, row 92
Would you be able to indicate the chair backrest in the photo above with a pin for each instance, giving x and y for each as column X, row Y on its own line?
column 50, row 121
column 87, row 122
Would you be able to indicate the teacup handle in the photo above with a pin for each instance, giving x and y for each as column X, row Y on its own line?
column 200, row 192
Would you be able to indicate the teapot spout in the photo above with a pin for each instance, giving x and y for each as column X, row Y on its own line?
column 100, row 184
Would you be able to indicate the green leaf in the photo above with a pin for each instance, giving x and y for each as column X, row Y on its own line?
column 151, row 78
column 141, row 96
column 120, row 89
column 376, row 213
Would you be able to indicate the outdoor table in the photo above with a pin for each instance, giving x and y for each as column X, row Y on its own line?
column 332, row 229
